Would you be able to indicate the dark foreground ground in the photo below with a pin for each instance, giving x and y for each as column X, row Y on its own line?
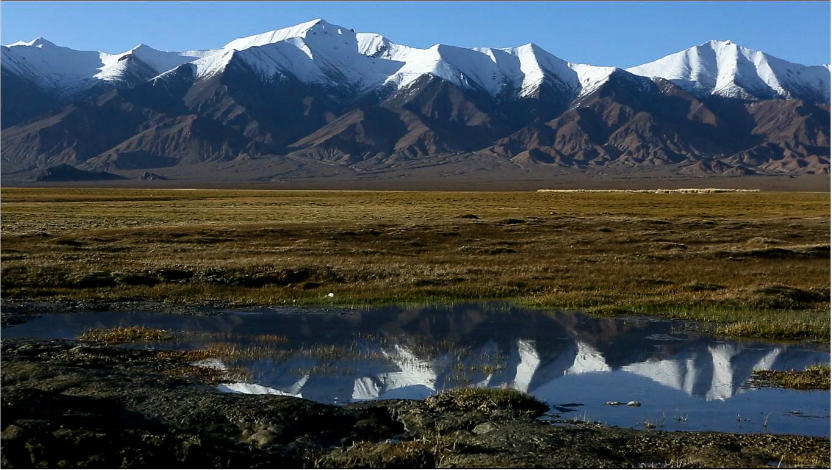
column 74, row 404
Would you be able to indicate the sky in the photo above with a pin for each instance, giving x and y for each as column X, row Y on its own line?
column 600, row 33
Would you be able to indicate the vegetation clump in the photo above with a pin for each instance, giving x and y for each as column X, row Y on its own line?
column 129, row 334
column 815, row 377
column 487, row 400
column 408, row 454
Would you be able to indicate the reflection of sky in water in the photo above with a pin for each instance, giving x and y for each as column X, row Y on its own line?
column 683, row 380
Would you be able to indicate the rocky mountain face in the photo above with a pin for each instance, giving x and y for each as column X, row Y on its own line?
column 319, row 98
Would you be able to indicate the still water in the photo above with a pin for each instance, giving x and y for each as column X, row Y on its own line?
column 683, row 380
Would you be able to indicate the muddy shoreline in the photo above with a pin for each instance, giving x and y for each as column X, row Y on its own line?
column 21, row 311
column 77, row 404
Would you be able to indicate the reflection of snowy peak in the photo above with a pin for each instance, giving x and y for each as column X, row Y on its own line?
column 587, row 359
column 415, row 378
column 713, row 372
column 529, row 361
column 715, row 376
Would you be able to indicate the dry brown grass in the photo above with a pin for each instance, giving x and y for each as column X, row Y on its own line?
column 814, row 377
column 752, row 264
column 129, row 334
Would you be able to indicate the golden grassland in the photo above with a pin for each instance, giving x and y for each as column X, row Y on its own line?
column 745, row 263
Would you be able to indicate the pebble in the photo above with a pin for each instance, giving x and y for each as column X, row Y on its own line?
column 619, row 403
column 484, row 428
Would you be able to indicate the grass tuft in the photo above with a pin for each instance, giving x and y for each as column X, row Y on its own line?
column 487, row 400
column 130, row 334
column 815, row 377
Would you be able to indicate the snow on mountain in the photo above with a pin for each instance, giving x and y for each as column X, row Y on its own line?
column 66, row 70
column 322, row 53
column 119, row 67
column 376, row 45
column 591, row 77
column 522, row 69
column 162, row 61
column 313, row 52
column 319, row 52
column 51, row 66
column 726, row 69
column 297, row 31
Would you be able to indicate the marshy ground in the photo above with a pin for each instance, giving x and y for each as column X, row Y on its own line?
column 742, row 264
column 746, row 264
column 82, row 404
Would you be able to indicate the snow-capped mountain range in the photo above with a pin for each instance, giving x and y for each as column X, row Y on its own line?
column 317, row 93
column 322, row 53
column 66, row 70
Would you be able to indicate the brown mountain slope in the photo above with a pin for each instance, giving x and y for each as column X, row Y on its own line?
column 619, row 124
column 184, row 139
column 73, row 135
column 628, row 124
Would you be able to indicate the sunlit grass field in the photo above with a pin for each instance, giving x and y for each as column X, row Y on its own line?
column 748, row 264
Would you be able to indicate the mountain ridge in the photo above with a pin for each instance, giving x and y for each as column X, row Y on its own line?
column 440, row 56
column 318, row 92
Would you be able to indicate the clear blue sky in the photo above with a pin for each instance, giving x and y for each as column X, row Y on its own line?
column 602, row 33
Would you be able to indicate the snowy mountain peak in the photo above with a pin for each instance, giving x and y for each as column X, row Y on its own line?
column 365, row 60
column 66, row 71
column 323, row 53
column 302, row 30
column 716, row 42
column 138, row 48
column 531, row 46
column 161, row 61
column 373, row 44
column 724, row 68
column 37, row 42
column 313, row 52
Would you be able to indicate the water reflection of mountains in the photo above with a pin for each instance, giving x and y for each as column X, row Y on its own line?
column 413, row 353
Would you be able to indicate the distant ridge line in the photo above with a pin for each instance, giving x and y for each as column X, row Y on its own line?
column 655, row 191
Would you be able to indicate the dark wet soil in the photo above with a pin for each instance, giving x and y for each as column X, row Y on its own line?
column 19, row 311
column 75, row 404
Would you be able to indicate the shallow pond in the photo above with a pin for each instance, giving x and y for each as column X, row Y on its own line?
column 682, row 380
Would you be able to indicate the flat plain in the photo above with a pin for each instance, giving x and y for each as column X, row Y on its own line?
column 743, row 264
